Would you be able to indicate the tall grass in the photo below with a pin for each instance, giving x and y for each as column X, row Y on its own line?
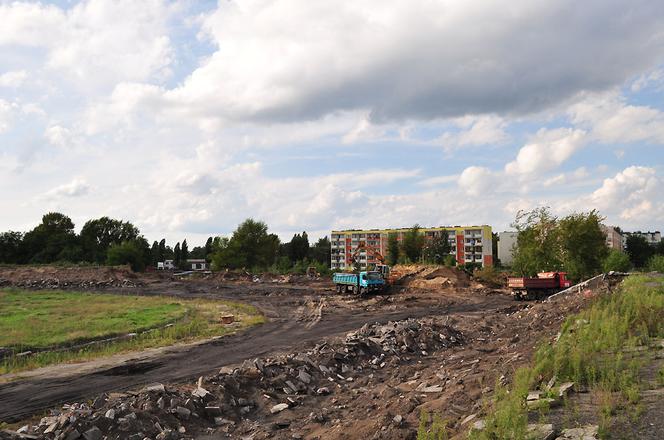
column 589, row 353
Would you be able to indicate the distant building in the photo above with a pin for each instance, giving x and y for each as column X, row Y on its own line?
column 166, row 265
column 197, row 264
column 614, row 239
column 506, row 246
column 469, row 244
column 653, row 238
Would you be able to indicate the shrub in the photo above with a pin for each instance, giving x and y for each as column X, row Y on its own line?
column 488, row 275
column 617, row 261
column 450, row 261
column 656, row 264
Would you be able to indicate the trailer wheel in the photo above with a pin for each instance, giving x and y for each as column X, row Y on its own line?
column 363, row 291
column 338, row 288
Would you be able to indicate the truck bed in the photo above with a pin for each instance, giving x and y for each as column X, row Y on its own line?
column 531, row 283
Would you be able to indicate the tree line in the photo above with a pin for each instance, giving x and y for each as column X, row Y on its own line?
column 414, row 248
column 115, row 242
column 575, row 244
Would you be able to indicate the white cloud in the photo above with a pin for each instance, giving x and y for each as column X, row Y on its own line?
column 76, row 188
column 95, row 42
column 299, row 60
column 575, row 176
column 13, row 78
column 476, row 180
column 546, row 151
column 476, row 131
column 58, row 136
column 6, row 115
column 612, row 120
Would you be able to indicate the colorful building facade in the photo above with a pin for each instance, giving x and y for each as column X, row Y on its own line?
column 468, row 244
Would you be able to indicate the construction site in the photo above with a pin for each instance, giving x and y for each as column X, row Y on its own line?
column 430, row 349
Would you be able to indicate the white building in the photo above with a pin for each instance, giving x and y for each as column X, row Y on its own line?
column 197, row 264
column 506, row 245
column 166, row 265
column 653, row 238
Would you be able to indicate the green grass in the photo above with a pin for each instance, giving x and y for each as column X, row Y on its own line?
column 588, row 352
column 55, row 320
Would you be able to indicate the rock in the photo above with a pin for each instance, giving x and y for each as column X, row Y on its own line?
column 588, row 432
column 278, row 408
column 304, row 377
column 534, row 395
column 220, row 421
column 110, row 414
column 470, row 418
column 479, row 425
column 431, row 389
column 398, row 420
column 182, row 412
column 323, row 391
column 73, row 435
column 541, row 431
column 155, row 388
column 540, row 403
column 93, row 433
column 565, row 389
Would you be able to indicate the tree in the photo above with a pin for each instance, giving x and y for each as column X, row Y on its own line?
column 617, row 261
column 52, row 240
column 537, row 245
column 177, row 255
column 99, row 234
column 162, row 250
column 208, row 248
column 437, row 248
column 11, row 247
column 298, row 248
column 154, row 254
column 638, row 249
column 127, row 252
column 250, row 246
column 582, row 243
column 321, row 251
column 412, row 244
column 656, row 263
column 184, row 252
column 392, row 249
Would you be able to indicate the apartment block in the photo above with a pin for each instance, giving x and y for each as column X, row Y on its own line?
column 653, row 238
column 506, row 245
column 614, row 239
column 469, row 244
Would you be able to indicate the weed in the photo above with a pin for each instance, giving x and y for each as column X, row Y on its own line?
column 437, row 430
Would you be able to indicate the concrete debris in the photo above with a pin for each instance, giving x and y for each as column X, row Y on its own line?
column 157, row 412
column 565, row 389
column 588, row 432
column 541, row 431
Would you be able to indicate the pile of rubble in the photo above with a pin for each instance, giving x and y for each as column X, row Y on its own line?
column 54, row 277
column 252, row 392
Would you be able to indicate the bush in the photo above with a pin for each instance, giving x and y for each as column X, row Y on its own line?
column 450, row 261
column 656, row 264
column 617, row 261
column 127, row 252
column 488, row 275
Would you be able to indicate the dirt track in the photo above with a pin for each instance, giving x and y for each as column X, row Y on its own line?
column 298, row 315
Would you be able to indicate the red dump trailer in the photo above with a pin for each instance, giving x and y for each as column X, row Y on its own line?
column 545, row 284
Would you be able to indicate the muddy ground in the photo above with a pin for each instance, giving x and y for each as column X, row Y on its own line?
column 497, row 334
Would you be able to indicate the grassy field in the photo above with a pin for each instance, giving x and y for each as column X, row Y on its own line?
column 56, row 320
column 589, row 352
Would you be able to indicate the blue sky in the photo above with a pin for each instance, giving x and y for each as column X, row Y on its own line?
column 186, row 117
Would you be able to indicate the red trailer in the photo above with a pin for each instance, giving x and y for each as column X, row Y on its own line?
column 545, row 284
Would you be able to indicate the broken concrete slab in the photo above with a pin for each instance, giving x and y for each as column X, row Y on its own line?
column 541, row 431
column 278, row 408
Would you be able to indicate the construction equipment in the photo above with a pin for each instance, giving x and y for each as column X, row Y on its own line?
column 545, row 284
column 359, row 283
column 312, row 272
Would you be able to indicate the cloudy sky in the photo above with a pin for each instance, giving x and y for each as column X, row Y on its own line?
column 185, row 117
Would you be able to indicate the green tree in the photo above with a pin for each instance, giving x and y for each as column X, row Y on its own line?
column 582, row 244
column 177, row 255
column 99, row 234
column 128, row 252
column 154, row 254
column 321, row 251
column 52, row 240
column 412, row 244
column 392, row 249
column 617, row 261
column 537, row 246
column 11, row 247
column 656, row 263
column 437, row 248
column 638, row 249
column 208, row 248
column 298, row 247
column 184, row 253
column 162, row 250
column 250, row 246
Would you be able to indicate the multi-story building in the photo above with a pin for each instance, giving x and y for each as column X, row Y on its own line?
column 614, row 239
column 653, row 238
column 506, row 245
column 468, row 244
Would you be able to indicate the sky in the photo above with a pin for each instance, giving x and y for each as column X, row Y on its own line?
column 187, row 117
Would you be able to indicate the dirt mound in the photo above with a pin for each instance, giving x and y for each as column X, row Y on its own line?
column 54, row 277
column 431, row 277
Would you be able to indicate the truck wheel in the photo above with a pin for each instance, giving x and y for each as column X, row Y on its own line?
column 363, row 291
column 338, row 288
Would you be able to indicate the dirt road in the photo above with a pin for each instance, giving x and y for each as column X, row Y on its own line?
column 297, row 315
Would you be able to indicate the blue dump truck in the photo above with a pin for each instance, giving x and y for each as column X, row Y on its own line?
column 359, row 283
